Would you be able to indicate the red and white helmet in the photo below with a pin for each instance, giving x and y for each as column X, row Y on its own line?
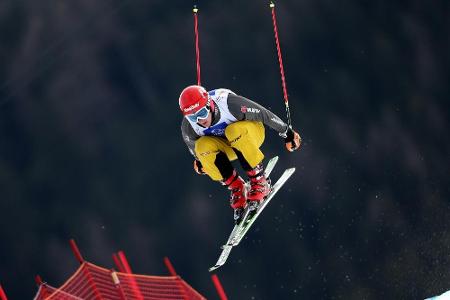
column 193, row 98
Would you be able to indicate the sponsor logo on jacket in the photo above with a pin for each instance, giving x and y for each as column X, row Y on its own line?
column 278, row 121
column 245, row 109
column 216, row 130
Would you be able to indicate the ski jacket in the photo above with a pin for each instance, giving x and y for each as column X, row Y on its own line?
column 229, row 108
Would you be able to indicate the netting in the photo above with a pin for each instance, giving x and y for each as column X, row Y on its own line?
column 91, row 282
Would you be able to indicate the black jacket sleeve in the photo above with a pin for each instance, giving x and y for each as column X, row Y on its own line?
column 189, row 135
column 245, row 109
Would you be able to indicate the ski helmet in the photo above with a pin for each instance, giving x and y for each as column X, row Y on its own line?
column 193, row 98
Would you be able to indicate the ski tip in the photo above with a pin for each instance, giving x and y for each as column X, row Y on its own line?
column 214, row 268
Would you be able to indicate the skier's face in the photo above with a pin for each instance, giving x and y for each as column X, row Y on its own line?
column 205, row 122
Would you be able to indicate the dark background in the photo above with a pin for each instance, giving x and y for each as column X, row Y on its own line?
column 90, row 144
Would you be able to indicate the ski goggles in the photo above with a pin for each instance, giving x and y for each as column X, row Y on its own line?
column 201, row 114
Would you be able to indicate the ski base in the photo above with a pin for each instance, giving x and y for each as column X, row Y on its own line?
column 248, row 222
column 239, row 230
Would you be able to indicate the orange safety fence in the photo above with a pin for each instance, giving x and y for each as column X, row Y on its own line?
column 91, row 282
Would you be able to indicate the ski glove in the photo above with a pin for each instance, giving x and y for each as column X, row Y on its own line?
column 292, row 140
column 198, row 167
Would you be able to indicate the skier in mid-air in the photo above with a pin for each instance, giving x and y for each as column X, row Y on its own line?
column 220, row 126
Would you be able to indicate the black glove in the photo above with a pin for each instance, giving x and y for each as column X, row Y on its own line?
column 292, row 140
column 198, row 167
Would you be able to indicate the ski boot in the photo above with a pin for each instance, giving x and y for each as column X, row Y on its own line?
column 259, row 188
column 238, row 199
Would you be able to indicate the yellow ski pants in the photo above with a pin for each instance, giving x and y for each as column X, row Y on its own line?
column 245, row 136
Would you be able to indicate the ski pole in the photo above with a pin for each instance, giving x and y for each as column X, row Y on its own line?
column 280, row 62
column 197, row 48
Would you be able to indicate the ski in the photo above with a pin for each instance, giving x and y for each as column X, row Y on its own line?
column 226, row 249
column 248, row 222
column 222, row 258
column 270, row 165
